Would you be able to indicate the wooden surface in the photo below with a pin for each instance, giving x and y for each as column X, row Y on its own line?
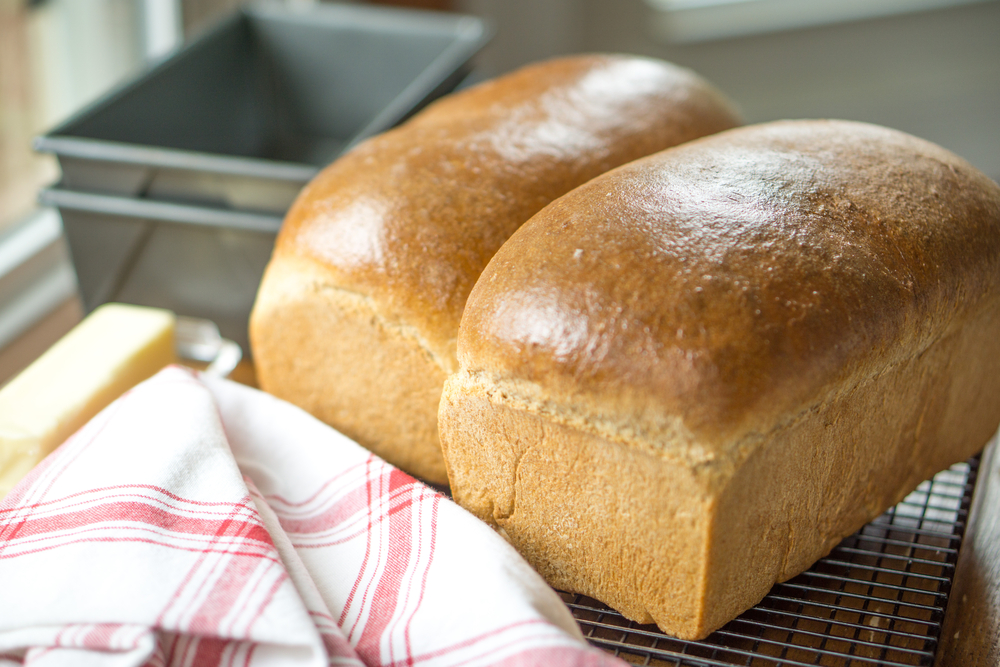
column 970, row 636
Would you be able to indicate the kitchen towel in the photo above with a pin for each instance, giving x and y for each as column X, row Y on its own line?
column 196, row 521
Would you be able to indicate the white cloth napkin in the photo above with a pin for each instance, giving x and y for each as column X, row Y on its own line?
column 199, row 522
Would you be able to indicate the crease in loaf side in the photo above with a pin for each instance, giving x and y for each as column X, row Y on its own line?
column 663, row 435
column 409, row 219
column 838, row 289
column 445, row 361
column 355, row 330
column 321, row 282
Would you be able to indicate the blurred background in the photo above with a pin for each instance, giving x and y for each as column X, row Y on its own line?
column 928, row 67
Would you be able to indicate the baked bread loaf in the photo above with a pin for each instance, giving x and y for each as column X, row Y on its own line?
column 691, row 377
column 358, row 311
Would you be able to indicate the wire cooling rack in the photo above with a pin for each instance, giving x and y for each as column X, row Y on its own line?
column 877, row 599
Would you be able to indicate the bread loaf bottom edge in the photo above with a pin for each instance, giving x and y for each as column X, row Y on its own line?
column 691, row 547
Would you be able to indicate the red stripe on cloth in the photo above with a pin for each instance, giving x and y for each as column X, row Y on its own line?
column 246, row 504
column 435, row 501
column 327, row 484
column 354, row 509
column 57, row 462
column 100, row 637
column 137, row 511
column 171, row 648
column 306, row 533
column 417, row 505
column 217, row 652
column 185, row 647
column 387, row 589
column 221, row 598
column 98, row 491
column 335, row 644
column 103, row 520
column 159, row 658
column 347, row 506
column 34, row 654
column 321, row 615
column 370, row 478
column 333, row 639
column 268, row 597
column 208, row 652
column 368, row 548
column 237, row 573
column 249, row 655
column 59, row 640
column 162, row 543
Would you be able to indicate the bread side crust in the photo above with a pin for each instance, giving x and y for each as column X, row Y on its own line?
column 690, row 547
column 330, row 352
column 410, row 218
column 826, row 474
column 738, row 279
column 580, row 509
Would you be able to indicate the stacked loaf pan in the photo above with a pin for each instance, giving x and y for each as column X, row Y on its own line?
column 174, row 186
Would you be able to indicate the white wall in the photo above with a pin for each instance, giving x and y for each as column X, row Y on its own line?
column 935, row 74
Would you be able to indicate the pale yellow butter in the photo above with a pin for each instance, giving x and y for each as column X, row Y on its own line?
column 113, row 349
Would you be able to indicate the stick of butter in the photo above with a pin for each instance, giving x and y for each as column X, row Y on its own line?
column 115, row 348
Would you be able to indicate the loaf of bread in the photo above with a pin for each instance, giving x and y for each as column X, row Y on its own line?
column 691, row 377
column 358, row 311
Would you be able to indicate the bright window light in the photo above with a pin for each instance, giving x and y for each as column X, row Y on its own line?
column 702, row 20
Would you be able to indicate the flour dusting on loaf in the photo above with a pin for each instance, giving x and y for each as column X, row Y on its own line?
column 694, row 375
column 358, row 311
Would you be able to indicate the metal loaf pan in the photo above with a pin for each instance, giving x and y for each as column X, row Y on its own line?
column 196, row 261
column 244, row 116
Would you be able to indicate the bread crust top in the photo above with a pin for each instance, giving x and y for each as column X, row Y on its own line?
column 412, row 217
column 723, row 287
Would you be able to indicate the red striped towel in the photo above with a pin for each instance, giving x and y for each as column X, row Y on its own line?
column 199, row 522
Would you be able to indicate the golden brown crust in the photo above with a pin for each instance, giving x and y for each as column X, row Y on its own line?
column 299, row 306
column 733, row 280
column 788, row 326
column 690, row 547
column 413, row 216
column 409, row 219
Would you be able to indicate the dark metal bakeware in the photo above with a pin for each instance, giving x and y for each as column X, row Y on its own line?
column 244, row 116
column 196, row 261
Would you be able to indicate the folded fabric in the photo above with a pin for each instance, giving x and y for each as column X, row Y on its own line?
column 200, row 522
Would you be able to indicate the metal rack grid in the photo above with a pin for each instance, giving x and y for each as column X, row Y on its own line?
column 877, row 599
